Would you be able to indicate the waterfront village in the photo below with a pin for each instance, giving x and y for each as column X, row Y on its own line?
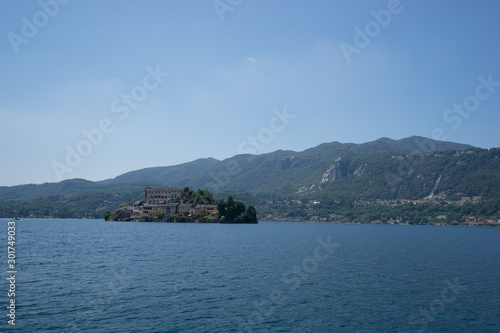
column 305, row 211
column 171, row 204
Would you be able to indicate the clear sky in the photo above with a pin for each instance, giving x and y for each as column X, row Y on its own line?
column 93, row 89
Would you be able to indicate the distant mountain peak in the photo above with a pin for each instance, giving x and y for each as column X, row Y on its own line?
column 327, row 167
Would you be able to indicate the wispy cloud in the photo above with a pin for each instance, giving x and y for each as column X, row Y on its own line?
column 250, row 59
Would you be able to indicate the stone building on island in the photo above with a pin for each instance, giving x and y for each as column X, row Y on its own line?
column 166, row 201
column 159, row 194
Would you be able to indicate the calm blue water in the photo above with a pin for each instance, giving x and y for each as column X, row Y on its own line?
column 95, row 276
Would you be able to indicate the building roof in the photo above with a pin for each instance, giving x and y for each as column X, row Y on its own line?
column 206, row 206
column 163, row 189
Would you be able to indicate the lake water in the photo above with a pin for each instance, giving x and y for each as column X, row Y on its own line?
column 96, row 276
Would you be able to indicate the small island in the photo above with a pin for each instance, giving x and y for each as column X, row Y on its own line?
column 171, row 204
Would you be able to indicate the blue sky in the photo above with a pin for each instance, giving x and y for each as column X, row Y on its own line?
column 156, row 83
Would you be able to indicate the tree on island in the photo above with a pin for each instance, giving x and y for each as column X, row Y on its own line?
column 199, row 197
column 112, row 216
column 235, row 210
column 107, row 215
column 221, row 209
column 250, row 215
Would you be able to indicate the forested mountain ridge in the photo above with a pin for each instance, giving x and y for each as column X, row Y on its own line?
column 177, row 175
column 352, row 175
column 134, row 181
column 410, row 168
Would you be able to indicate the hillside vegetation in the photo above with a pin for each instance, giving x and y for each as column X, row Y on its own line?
column 385, row 169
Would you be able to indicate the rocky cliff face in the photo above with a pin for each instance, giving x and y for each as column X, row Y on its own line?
column 361, row 170
column 335, row 171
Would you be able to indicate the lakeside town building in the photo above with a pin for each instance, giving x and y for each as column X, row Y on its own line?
column 159, row 194
column 166, row 201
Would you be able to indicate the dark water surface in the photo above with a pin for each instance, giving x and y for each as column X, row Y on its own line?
column 95, row 276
